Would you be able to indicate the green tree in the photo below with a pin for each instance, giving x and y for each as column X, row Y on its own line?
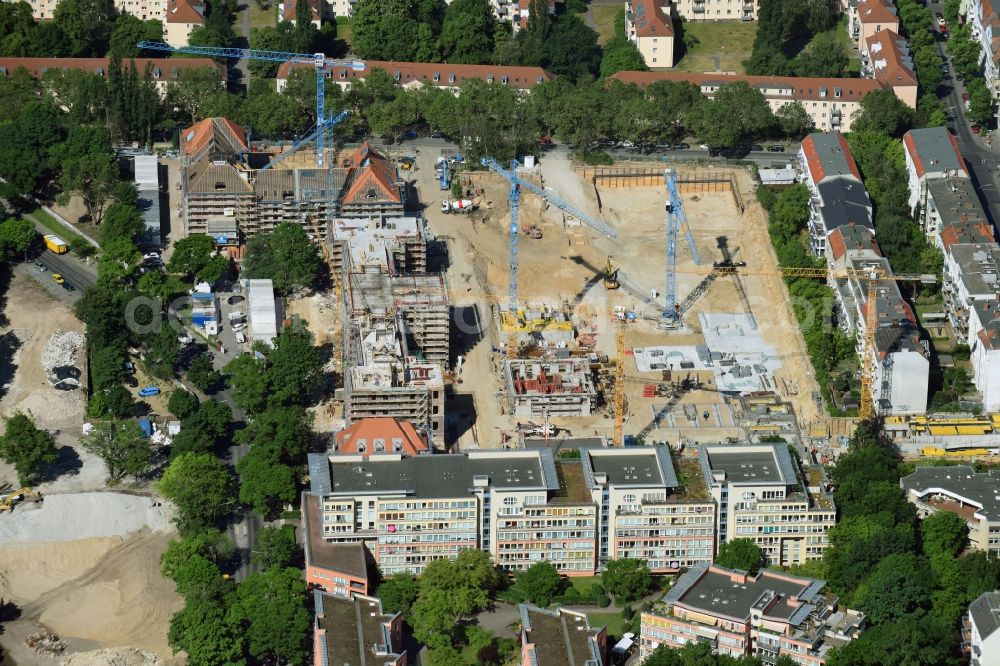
column 286, row 429
column 162, row 351
column 446, row 655
column 202, row 374
column 273, row 38
column 980, row 102
column 272, row 605
column 16, row 237
column 129, row 30
column 398, row 593
column 247, row 375
column 452, row 590
column 627, row 579
column 208, row 634
column 26, row 447
column 908, row 642
column 740, row 554
column 92, row 176
column 121, row 221
column 211, row 544
column 943, row 533
column 285, row 255
column 467, row 33
column 295, row 366
column 182, row 403
column 738, row 113
column 87, row 25
column 881, row 111
column 276, row 547
column 794, row 121
column 197, row 578
column 122, row 446
column 266, row 483
column 196, row 90
column 539, row 583
column 200, row 486
column 191, row 254
column 897, row 589
column 621, row 55
column 826, row 57
column 571, row 48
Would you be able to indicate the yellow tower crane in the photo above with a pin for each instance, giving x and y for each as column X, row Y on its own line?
column 620, row 382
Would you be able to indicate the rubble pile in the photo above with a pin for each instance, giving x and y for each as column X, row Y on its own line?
column 45, row 643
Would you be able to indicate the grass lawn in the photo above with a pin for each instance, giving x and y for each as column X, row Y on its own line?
column 345, row 30
column 730, row 42
column 583, row 583
column 59, row 230
column 613, row 621
column 262, row 18
column 604, row 21
column 839, row 31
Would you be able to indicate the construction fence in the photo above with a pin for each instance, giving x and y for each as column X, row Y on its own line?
column 687, row 183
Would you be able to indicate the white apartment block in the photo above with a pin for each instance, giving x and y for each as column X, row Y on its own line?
column 182, row 16
column 144, row 10
column 984, row 340
column 760, row 495
column 959, row 489
column 649, row 26
column 971, row 273
column 931, row 154
column 717, row 10
column 868, row 17
column 830, row 103
column 983, row 19
column 980, row 630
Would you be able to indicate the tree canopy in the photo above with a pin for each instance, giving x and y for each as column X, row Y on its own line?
column 26, row 447
column 627, row 579
column 740, row 554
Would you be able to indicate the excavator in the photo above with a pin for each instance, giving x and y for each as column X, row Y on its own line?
column 8, row 502
column 610, row 276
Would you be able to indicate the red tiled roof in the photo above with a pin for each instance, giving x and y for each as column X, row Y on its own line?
column 966, row 232
column 838, row 244
column 186, row 11
column 391, row 431
column 162, row 69
column 436, row 74
column 650, row 20
column 289, row 7
column 816, row 164
column 374, row 171
column 196, row 137
column 877, row 11
column 801, row 88
column 884, row 49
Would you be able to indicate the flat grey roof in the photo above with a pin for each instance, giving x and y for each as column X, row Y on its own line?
column 845, row 201
column 263, row 312
column 713, row 590
column 956, row 199
column 443, row 475
column 935, row 150
column 635, row 466
column 747, row 467
column 980, row 266
column 985, row 612
column 748, row 463
column 347, row 558
column 961, row 482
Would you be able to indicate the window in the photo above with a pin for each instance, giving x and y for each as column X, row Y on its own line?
column 509, row 501
column 362, row 445
column 629, row 499
column 379, row 445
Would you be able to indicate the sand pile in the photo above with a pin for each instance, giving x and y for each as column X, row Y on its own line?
column 81, row 516
column 112, row 657
column 29, row 570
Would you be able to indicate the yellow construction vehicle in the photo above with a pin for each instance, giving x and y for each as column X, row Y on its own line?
column 8, row 502
column 610, row 276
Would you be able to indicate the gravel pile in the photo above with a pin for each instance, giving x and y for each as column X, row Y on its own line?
column 61, row 350
column 126, row 656
column 82, row 515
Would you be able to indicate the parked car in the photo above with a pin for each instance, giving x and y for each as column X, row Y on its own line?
column 776, row 148
column 627, row 144
column 756, row 147
column 682, row 146
column 437, row 135
column 131, row 381
column 940, row 18
column 703, row 146
column 239, row 326
column 976, row 129
column 185, row 339
column 58, row 279
column 240, row 338
column 149, row 391
column 41, row 267
column 68, row 287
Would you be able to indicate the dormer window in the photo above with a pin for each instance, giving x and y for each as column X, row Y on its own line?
column 362, row 445
column 503, row 80
column 379, row 445
column 436, row 77
column 397, row 76
column 451, row 78
column 397, row 444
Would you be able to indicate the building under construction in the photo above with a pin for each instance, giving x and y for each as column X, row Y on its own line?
column 562, row 387
column 538, row 327
column 222, row 177
column 394, row 245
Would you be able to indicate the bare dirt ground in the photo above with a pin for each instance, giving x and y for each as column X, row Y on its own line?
column 319, row 312
column 564, row 267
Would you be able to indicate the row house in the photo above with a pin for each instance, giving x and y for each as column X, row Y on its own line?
column 831, row 103
column 866, row 18
column 959, row 489
column 760, row 495
column 931, row 154
column 983, row 19
column 953, row 213
column 885, row 57
column 161, row 70
column 415, row 75
column 971, row 273
column 649, row 26
column 181, row 18
column 717, row 10
column 520, row 506
column 837, row 196
column 767, row 615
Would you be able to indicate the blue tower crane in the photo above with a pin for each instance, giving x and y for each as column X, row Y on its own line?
column 318, row 60
column 516, row 183
column 314, row 134
column 675, row 220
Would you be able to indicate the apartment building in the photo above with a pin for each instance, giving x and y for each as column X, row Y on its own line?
column 414, row 75
column 885, row 57
column 837, row 196
column 182, row 16
column 979, row 630
column 393, row 245
column 562, row 387
column 521, row 506
column 221, row 178
column 760, row 494
column 354, row 631
column 560, row 637
column 767, row 615
column 380, row 435
column 145, row 10
column 288, row 9
column 931, row 154
column 849, row 243
column 984, row 339
column 983, row 19
column 161, row 70
column 971, row 273
column 830, row 103
column 649, row 26
column 959, row 489
column 869, row 17
column 717, row 10
column 338, row 568
column 953, row 202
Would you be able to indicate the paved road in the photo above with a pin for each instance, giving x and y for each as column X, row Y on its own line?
column 80, row 274
column 241, row 65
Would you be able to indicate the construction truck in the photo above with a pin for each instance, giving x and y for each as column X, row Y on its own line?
column 458, row 206
column 8, row 502
column 55, row 244
column 610, row 276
